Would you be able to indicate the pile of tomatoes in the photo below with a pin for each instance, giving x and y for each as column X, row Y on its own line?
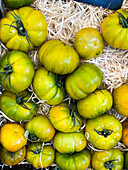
column 60, row 76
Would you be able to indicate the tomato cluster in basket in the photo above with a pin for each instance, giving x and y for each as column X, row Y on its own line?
column 79, row 116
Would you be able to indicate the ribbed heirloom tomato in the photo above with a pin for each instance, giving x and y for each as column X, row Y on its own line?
column 104, row 131
column 12, row 137
column 95, row 104
column 23, row 28
column 114, row 29
column 17, row 107
column 120, row 99
column 69, row 142
column 73, row 161
column 84, row 80
column 17, row 3
column 89, row 43
column 65, row 117
column 125, row 133
column 12, row 158
column 109, row 159
column 40, row 156
column 16, row 71
column 49, row 86
column 40, row 129
column 58, row 57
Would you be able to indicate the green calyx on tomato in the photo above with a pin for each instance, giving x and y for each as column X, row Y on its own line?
column 109, row 164
column 20, row 27
column 123, row 21
column 36, row 151
column 104, row 132
column 7, row 71
column 31, row 137
column 73, row 111
column 20, row 100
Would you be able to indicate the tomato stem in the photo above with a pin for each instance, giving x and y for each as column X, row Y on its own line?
column 104, row 132
column 59, row 80
column 122, row 20
column 7, row 70
column 31, row 137
column 20, row 100
column 37, row 151
column 20, row 27
column 109, row 165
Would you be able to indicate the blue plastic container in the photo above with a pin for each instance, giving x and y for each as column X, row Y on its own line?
column 110, row 4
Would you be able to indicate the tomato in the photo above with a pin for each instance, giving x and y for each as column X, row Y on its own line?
column 49, row 86
column 109, row 159
column 23, row 28
column 40, row 156
column 58, row 57
column 12, row 137
column 125, row 133
column 95, row 104
column 89, row 43
column 65, row 118
column 76, row 161
column 16, row 106
column 12, row 158
column 83, row 81
column 104, row 131
column 16, row 71
column 114, row 29
column 126, row 160
column 69, row 142
column 120, row 98
column 17, row 3
column 40, row 128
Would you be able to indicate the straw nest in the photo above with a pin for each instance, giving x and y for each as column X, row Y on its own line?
column 65, row 19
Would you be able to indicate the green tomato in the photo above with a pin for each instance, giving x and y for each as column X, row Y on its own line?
column 40, row 156
column 40, row 129
column 58, row 57
column 83, row 81
column 109, row 159
column 49, row 86
column 69, row 142
column 16, row 71
column 17, row 3
column 12, row 158
column 95, row 104
column 76, row 161
column 65, row 118
column 104, row 131
column 126, row 160
column 16, row 107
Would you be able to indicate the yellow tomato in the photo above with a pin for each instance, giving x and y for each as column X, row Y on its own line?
column 12, row 137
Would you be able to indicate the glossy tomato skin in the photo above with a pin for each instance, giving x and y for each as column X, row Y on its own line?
column 95, row 104
column 17, row 3
column 86, row 79
column 126, row 160
column 120, row 98
column 46, row 87
column 112, row 156
column 61, row 119
column 113, row 32
column 17, row 109
column 21, row 71
column 12, row 158
column 40, row 156
column 80, row 160
column 34, row 29
column 69, row 142
column 125, row 132
column 96, row 129
column 58, row 57
column 12, row 137
column 41, row 127
column 89, row 43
